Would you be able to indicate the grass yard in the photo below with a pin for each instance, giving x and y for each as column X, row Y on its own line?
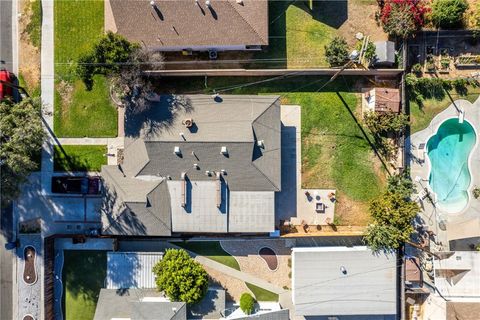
column 262, row 294
column 335, row 152
column 421, row 116
column 34, row 26
column 78, row 112
column 84, row 273
column 79, row 158
column 212, row 250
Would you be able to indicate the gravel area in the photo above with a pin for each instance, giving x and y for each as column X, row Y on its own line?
column 246, row 253
column 233, row 287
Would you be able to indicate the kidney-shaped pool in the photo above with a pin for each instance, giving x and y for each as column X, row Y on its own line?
column 450, row 176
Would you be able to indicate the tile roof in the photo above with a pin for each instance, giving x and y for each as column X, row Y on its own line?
column 186, row 23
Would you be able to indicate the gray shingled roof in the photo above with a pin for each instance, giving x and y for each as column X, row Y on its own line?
column 367, row 288
column 237, row 123
column 183, row 24
column 113, row 303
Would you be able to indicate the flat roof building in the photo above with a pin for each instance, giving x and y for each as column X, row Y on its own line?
column 347, row 282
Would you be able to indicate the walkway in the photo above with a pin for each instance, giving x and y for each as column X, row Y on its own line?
column 48, row 89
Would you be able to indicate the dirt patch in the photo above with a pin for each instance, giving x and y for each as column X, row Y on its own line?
column 361, row 18
column 65, row 90
column 233, row 287
column 349, row 212
column 270, row 257
column 29, row 55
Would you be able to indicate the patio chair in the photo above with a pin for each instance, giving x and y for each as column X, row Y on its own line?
column 421, row 152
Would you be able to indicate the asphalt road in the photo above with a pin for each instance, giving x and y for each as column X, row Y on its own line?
column 6, row 35
column 6, row 257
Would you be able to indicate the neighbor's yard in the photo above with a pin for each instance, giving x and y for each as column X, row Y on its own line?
column 299, row 30
column 335, row 152
column 78, row 112
column 421, row 116
column 79, row 158
column 84, row 274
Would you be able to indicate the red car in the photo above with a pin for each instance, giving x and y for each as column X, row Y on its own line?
column 5, row 90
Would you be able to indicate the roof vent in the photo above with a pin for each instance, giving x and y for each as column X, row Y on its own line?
column 223, row 172
column 182, row 136
column 188, row 123
column 208, row 173
column 195, row 165
column 343, row 270
column 224, row 151
column 152, row 3
column 177, row 151
column 207, row 3
column 239, row 1
column 260, row 144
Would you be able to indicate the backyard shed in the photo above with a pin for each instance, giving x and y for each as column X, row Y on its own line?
column 347, row 282
column 127, row 270
column 384, row 53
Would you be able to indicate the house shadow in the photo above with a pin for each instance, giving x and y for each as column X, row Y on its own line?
column 159, row 116
column 332, row 13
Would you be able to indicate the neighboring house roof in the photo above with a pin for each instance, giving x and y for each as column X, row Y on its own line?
column 273, row 315
column 185, row 23
column 367, row 287
column 127, row 270
column 457, row 274
column 463, row 310
column 137, row 304
column 154, row 180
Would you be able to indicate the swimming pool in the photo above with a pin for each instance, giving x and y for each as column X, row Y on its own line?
column 448, row 151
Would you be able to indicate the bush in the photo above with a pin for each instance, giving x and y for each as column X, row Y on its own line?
column 181, row 277
column 448, row 14
column 336, row 52
column 382, row 123
column 370, row 52
column 247, row 303
column 402, row 18
column 401, row 184
column 476, row 192
column 417, row 69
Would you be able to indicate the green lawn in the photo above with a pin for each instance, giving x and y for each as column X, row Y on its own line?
column 297, row 34
column 79, row 158
column 211, row 250
column 335, row 152
column 78, row 112
column 262, row 294
column 84, row 274
column 421, row 116
column 34, row 27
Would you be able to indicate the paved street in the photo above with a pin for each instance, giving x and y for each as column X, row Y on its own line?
column 6, row 257
column 6, row 35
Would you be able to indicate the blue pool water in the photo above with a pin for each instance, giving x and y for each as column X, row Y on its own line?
column 448, row 151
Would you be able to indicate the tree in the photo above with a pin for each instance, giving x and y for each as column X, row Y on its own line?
column 393, row 216
column 181, row 277
column 402, row 18
column 21, row 139
column 381, row 123
column 370, row 51
column 401, row 184
column 336, row 52
column 448, row 14
column 247, row 303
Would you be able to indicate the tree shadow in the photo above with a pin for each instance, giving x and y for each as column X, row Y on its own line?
column 157, row 118
column 212, row 304
column 332, row 13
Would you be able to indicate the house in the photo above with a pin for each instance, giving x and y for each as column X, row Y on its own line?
column 190, row 25
column 197, row 164
column 344, row 283
column 382, row 100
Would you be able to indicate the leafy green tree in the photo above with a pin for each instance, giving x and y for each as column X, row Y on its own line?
column 181, row 277
column 381, row 123
column 369, row 52
column 448, row 14
column 336, row 52
column 247, row 303
column 401, row 184
column 393, row 216
column 21, row 139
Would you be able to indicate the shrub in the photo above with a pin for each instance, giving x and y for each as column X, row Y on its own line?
column 402, row 18
column 369, row 52
column 181, row 277
column 336, row 52
column 381, row 123
column 417, row 69
column 476, row 192
column 401, row 184
column 448, row 14
column 247, row 303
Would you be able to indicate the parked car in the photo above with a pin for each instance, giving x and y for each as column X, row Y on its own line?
column 4, row 89
column 76, row 185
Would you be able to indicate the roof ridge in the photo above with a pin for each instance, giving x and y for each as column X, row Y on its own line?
column 266, row 109
column 248, row 23
column 268, row 179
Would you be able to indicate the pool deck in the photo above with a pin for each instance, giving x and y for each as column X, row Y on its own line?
column 432, row 216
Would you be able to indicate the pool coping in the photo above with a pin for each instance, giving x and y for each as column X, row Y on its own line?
column 472, row 115
column 469, row 161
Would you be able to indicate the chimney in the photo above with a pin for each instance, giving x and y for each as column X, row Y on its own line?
column 260, row 144
column 177, row 151
column 219, row 190
column 184, row 188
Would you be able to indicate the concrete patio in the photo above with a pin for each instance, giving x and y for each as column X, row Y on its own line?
column 308, row 213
